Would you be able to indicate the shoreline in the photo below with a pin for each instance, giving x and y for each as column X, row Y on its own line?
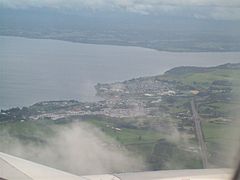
column 121, row 45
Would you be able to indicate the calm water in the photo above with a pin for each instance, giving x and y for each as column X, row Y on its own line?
column 33, row 70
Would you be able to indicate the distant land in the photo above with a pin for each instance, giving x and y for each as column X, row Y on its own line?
column 149, row 116
column 164, row 33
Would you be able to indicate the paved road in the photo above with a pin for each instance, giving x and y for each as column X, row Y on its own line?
column 199, row 134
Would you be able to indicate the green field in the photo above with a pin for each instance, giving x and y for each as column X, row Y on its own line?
column 126, row 135
column 144, row 141
column 222, row 142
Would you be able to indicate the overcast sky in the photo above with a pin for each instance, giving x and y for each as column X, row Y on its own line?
column 213, row 9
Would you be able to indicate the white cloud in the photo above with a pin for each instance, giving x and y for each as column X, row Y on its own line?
column 217, row 9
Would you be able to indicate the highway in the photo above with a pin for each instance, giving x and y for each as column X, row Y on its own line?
column 199, row 135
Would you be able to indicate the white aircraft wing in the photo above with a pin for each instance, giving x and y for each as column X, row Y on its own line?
column 14, row 168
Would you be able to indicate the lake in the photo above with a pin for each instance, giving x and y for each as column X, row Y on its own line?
column 34, row 70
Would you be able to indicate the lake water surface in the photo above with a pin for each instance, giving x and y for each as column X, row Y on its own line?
column 33, row 70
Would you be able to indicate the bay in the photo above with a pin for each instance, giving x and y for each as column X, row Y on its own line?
column 33, row 70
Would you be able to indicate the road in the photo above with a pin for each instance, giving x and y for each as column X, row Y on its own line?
column 199, row 135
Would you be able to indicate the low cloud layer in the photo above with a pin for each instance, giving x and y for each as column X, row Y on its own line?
column 215, row 9
column 77, row 148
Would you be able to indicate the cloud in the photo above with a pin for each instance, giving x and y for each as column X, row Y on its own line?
column 216, row 9
column 78, row 148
